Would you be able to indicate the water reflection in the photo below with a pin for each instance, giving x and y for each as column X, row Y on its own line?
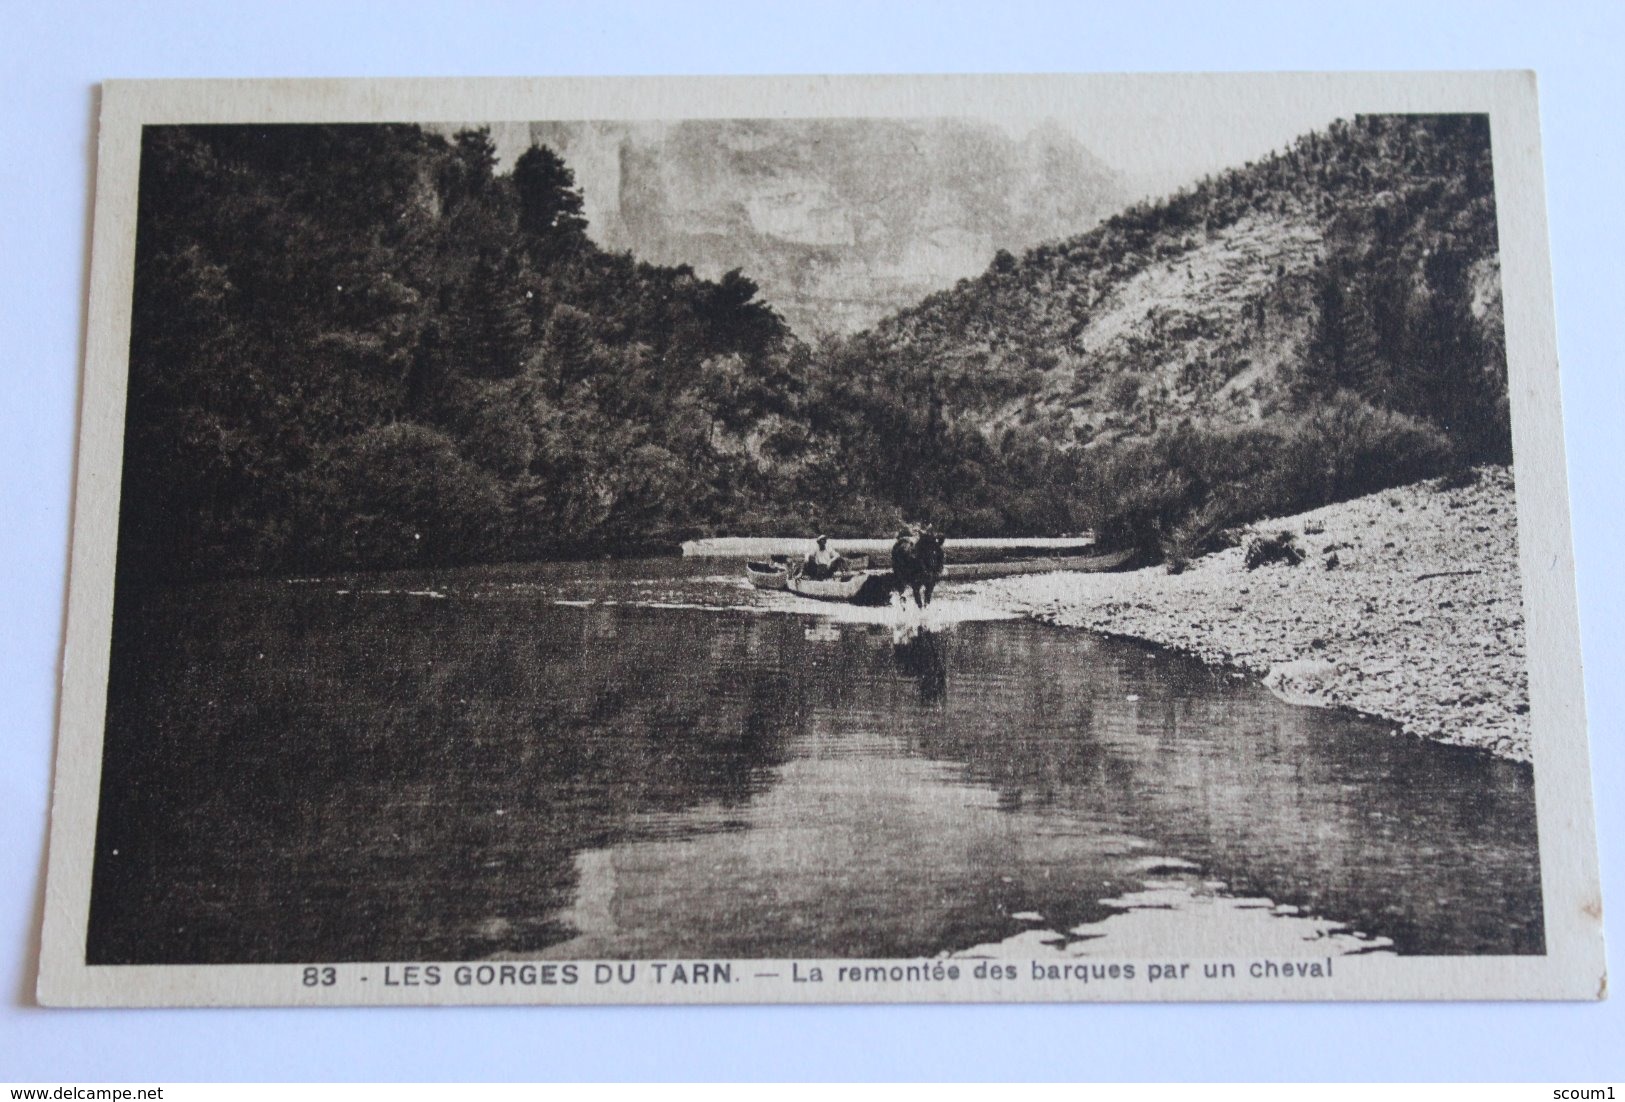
column 922, row 655
column 299, row 774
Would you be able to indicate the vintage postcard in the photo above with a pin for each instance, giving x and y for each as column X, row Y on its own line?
column 821, row 540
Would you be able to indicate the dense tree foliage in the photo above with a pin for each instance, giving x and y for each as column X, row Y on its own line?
column 1370, row 342
column 367, row 346
column 362, row 345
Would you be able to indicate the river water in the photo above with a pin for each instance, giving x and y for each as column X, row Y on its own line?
column 649, row 759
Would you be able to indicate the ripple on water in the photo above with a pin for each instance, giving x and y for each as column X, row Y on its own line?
column 1202, row 920
column 653, row 759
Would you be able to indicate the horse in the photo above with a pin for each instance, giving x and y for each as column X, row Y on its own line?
column 918, row 566
column 923, row 656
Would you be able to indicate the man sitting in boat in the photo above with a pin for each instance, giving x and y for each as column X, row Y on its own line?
column 825, row 562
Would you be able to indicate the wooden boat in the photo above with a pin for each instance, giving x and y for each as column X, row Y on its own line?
column 767, row 575
column 1078, row 564
column 842, row 587
column 775, row 573
column 875, row 586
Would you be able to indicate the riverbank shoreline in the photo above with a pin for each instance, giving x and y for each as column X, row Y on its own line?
column 1407, row 606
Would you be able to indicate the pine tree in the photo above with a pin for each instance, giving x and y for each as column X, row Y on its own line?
column 567, row 348
column 492, row 325
column 549, row 206
column 1454, row 381
column 1343, row 348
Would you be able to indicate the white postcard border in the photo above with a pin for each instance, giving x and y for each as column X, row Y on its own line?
column 1573, row 965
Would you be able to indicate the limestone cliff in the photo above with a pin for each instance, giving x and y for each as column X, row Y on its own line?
column 841, row 221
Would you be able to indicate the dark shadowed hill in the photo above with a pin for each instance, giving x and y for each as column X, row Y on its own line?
column 839, row 220
column 360, row 346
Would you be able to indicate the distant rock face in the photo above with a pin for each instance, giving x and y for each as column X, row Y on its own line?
column 841, row 221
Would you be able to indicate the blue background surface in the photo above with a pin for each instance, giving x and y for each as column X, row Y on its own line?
column 51, row 55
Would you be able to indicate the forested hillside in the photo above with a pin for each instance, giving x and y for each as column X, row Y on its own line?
column 364, row 346
column 358, row 345
column 1364, row 258
column 1303, row 329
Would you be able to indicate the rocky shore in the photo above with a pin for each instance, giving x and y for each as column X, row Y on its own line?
column 1407, row 605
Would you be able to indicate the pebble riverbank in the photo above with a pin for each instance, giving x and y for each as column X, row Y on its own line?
column 1408, row 605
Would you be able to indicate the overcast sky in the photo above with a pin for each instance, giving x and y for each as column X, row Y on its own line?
column 1157, row 142
column 1156, row 154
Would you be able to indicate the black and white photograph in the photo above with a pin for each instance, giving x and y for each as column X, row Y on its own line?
column 1039, row 540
